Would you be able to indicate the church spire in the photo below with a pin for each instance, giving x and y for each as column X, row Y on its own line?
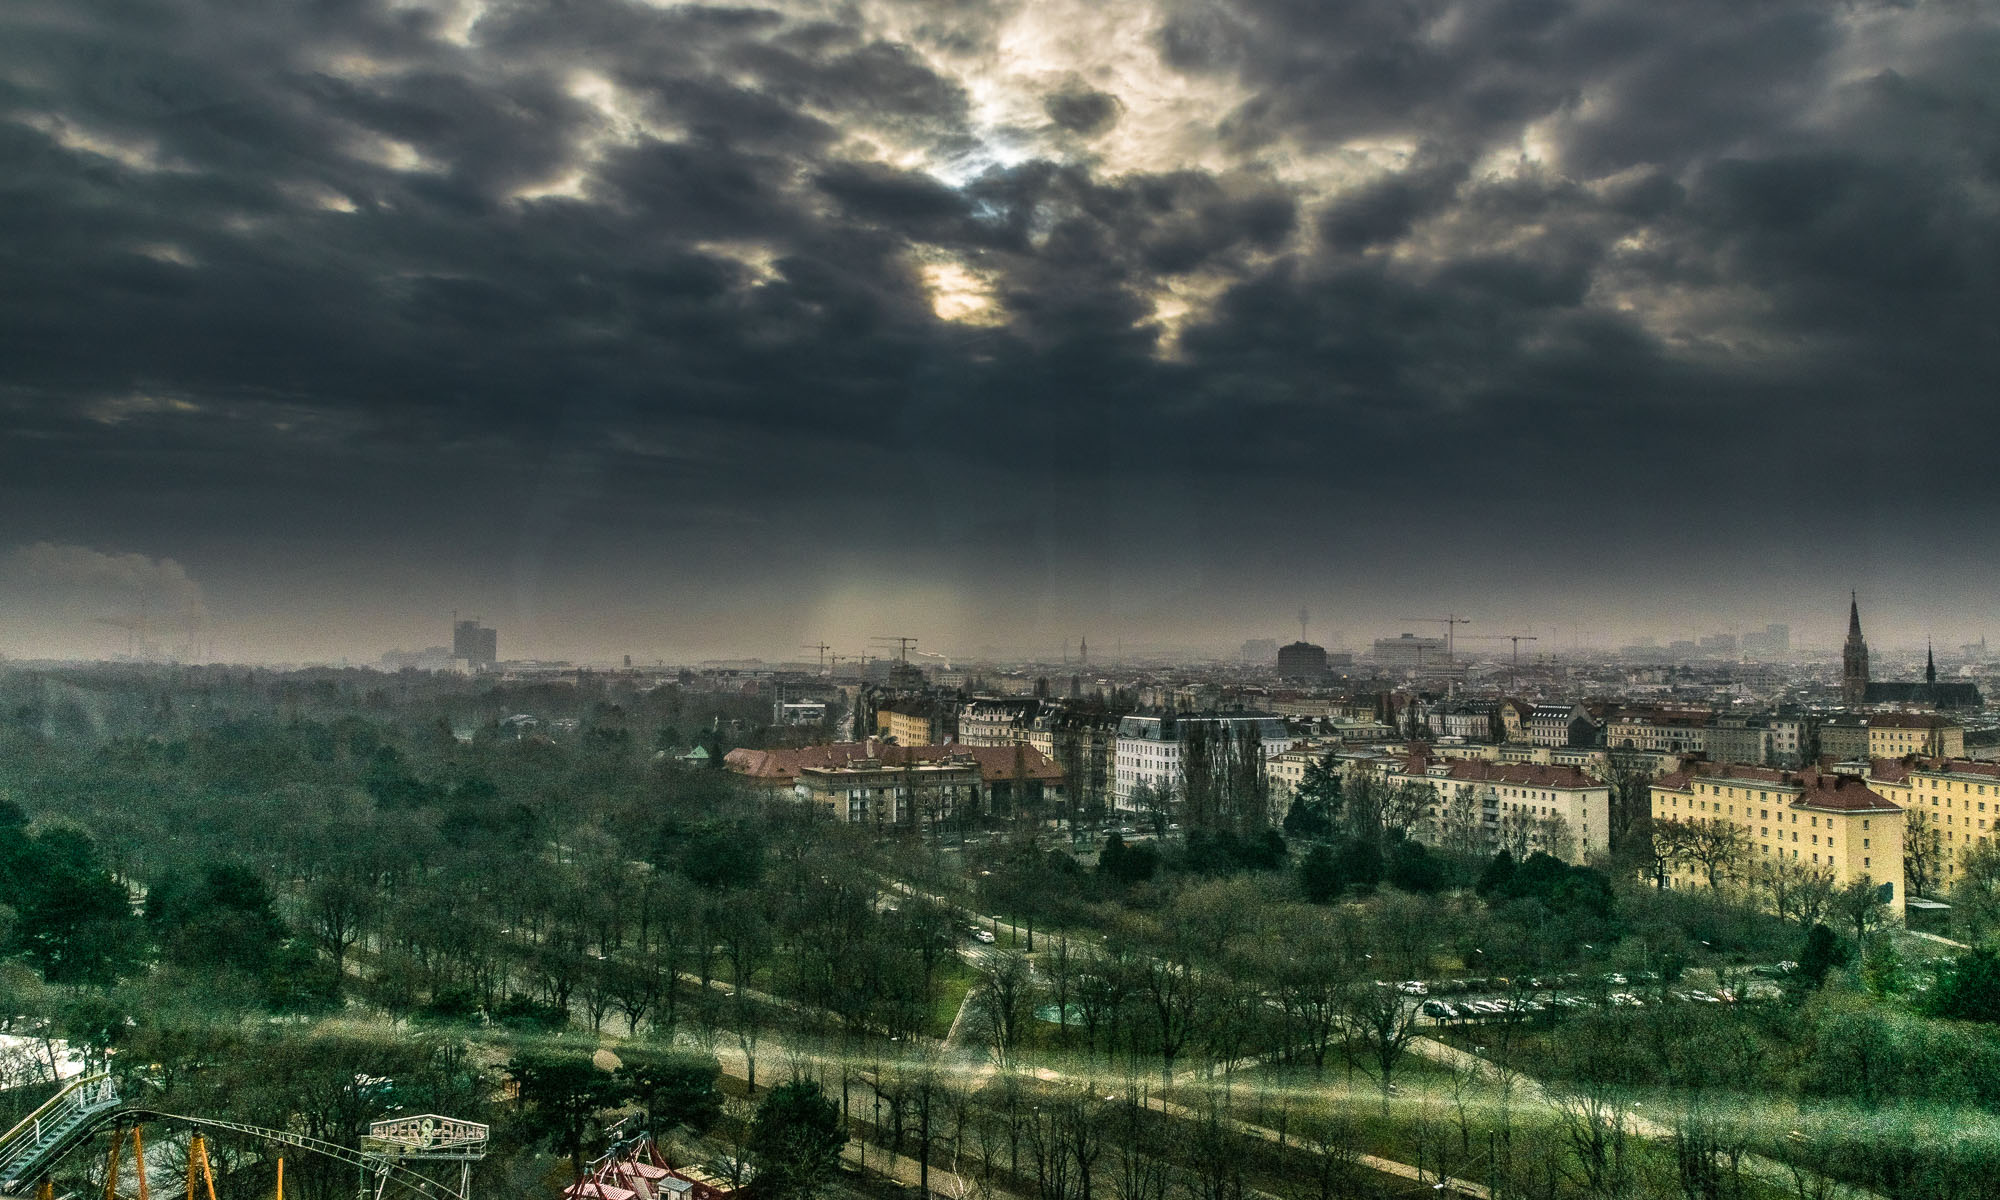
column 1854, row 657
column 1930, row 663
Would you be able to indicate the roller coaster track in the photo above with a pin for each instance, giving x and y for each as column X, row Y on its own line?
column 87, row 1105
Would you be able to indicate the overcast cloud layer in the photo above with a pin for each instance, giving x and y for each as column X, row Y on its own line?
column 691, row 329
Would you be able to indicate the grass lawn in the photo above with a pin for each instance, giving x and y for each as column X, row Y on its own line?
column 954, row 980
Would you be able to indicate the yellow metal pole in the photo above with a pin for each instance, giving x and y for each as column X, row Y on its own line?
column 111, row 1164
column 281, row 1177
column 46, row 1190
column 207, row 1175
column 139, row 1164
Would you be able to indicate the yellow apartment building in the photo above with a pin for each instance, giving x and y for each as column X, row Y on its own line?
column 1954, row 800
column 1835, row 824
column 1897, row 735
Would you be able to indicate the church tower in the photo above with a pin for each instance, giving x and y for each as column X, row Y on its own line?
column 1930, row 665
column 1854, row 657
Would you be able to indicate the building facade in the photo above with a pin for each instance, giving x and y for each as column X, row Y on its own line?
column 1481, row 807
column 1302, row 660
column 1662, row 731
column 1148, row 749
column 1951, row 807
column 1554, row 725
column 901, row 788
column 1835, row 826
column 996, row 720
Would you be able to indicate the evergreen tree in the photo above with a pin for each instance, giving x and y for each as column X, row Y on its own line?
column 73, row 921
column 1498, row 876
column 1319, row 874
column 795, row 1141
column 1969, row 988
column 1823, row 952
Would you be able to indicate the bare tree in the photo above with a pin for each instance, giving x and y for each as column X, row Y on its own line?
column 1975, row 893
column 1382, row 1023
column 1923, row 852
column 1003, row 1004
column 1333, row 1170
column 1138, row 1172
column 1460, row 827
column 1554, row 835
column 1859, row 906
column 1715, row 848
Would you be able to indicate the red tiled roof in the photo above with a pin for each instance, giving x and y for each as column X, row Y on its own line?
column 1744, row 773
column 1900, row 720
column 996, row 763
column 1889, row 770
column 1525, row 774
column 1956, row 766
column 1842, row 793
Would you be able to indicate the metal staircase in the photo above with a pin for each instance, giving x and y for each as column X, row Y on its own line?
column 45, row 1134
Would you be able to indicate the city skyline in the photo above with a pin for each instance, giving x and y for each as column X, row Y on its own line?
column 122, row 590
column 641, row 328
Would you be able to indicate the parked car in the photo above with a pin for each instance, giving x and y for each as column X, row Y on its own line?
column 1413, row 987
column 984, row 935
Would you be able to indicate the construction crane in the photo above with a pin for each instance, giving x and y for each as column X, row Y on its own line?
column 1516, row 638
column 1448, row 623
column 902, row 644
column 822, row 647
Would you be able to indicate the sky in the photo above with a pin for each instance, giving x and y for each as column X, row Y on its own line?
column 695, row 330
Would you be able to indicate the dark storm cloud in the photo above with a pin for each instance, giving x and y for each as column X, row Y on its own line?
column 299, row 271
column 1080, row 108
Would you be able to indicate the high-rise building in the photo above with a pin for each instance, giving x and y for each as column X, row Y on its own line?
column 1302, row 660
column 1854, row 657
column 477, row 644
column 1774, row 642
column 1410, row 651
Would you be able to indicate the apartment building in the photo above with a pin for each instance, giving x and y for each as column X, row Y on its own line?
column 1952, row 802
column 1286, row 770
column 1524, row 807
column 1740, row 738
column 1660, row 730
column 1894, row 735
column 917, row 722
column 1004, row 780
column 995, row 720
column 1837, row 825
column 1148, row 749
column 870, row 791
column 1554, row 725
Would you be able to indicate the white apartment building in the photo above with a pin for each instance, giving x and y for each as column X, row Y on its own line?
column 995, row 720
column 1148, row 749
column 1524, row 807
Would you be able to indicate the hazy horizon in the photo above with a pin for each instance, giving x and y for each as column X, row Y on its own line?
column 693, row 332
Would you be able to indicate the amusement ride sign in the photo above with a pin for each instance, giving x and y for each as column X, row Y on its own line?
column 428, row 1136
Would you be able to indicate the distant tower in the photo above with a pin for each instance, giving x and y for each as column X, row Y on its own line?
column 1854, row 657
column 1930, row 664
column 1083, row 652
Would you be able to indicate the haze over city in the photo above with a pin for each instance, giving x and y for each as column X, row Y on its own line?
column 999, row 599
column 691, row 332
